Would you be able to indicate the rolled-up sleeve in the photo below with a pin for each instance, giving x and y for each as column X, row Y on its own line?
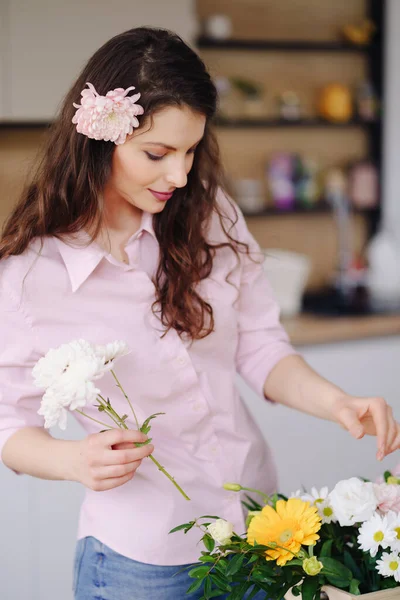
column 19, row 397
column 263, row 341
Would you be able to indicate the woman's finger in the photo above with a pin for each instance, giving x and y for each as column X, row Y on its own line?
column 379, row 413
column 123, row 457
column 115, row 471
column 392, row 430
column 348, row 418
column 396, row 442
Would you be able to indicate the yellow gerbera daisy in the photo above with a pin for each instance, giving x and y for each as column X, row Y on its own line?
column 293, row 523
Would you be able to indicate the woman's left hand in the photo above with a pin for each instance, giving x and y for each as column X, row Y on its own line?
column 370, row 416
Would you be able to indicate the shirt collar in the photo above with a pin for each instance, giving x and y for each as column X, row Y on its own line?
column 81, row 256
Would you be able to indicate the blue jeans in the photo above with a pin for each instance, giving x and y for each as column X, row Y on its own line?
column 102, row 574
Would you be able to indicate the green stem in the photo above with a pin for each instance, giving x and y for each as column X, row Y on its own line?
column 267, row 498
column 129, row 402
column 121, row 423
column 169, row 476
column 91, row 418
column 109, row 410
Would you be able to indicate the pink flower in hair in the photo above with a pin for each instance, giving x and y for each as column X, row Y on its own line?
column 110, row 118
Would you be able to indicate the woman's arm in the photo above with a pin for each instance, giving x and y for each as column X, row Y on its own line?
column 100, row 461
column 33, row 451
column 295, row 384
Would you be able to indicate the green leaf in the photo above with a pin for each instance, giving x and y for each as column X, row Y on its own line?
column 220, row 582
column 333, row 569
column 253, row 592
column 339, row 583
column 234, row 564
column 199, row 572
column 207, row 587
column 296, row 590
column 145, row 428
column 183, row 526
column 239, row 591
column 195, row 586
column 139, row 444
column 386, row 475
column 208, row 542
column 207, row 558
column 354, row 589
column 326, row 549
column 352, row 565
column 309, row 588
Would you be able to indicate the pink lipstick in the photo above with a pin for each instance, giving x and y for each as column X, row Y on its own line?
column 161, row 196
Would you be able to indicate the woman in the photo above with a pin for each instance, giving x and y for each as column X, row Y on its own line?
column 126, row 233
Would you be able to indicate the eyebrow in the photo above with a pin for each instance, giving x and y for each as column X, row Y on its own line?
column 166, row 145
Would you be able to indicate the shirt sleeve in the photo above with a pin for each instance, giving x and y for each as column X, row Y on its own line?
column 19, row 397
column 263, row 341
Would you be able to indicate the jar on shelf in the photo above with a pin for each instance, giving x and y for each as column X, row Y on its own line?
column 249, row 194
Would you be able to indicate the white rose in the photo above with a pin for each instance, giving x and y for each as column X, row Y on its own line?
column 353, row 501
column 221, row 531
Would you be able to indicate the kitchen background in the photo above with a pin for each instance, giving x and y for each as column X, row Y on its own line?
column 309, row 128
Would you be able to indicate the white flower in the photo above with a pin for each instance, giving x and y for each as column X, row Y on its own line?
column 389, row 565
column 394, row 524
column 325, row 511
column 375, row 533
column 67, row 374
column 297, row 494
column 111, row 352
column 53, row 411
column 353, row 501
column 319, row 499
column 76, row 356
column 316, row 496
column 221, row 531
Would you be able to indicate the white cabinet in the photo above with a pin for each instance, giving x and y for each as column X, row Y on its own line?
column 49, row 41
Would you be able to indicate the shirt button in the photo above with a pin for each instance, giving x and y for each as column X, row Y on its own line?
column 197, row 407
column 181, row 360
column 214, row 449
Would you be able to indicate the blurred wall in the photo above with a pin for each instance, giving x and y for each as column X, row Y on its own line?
column 391, row 167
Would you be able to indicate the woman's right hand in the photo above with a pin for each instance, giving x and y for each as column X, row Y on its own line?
column 109, row 459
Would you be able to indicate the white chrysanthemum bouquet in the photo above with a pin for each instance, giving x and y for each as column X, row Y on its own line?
column 346, row 540
column 67, row 374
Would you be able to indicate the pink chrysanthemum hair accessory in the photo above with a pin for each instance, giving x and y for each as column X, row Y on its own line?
column 110, row 118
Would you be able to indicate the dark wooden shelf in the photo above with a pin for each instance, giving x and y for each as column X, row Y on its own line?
column 278, row 45
column 24, row 124
column 313, row 123
column 321, row 207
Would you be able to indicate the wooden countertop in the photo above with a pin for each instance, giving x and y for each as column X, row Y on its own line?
column 311, row 329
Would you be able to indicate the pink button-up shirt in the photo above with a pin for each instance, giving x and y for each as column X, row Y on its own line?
column 207, row 436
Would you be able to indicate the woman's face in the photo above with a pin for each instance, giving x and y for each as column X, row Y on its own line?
column 156, row 160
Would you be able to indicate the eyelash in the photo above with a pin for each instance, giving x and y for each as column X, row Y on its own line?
column 155, row 157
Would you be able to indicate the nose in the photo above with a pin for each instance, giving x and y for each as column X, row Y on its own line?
column 177, row 175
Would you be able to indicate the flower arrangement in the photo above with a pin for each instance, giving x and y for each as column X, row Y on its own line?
column 348, row 538
column 67, row 374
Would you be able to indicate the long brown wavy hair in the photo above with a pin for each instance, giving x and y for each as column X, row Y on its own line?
column 64, row 194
